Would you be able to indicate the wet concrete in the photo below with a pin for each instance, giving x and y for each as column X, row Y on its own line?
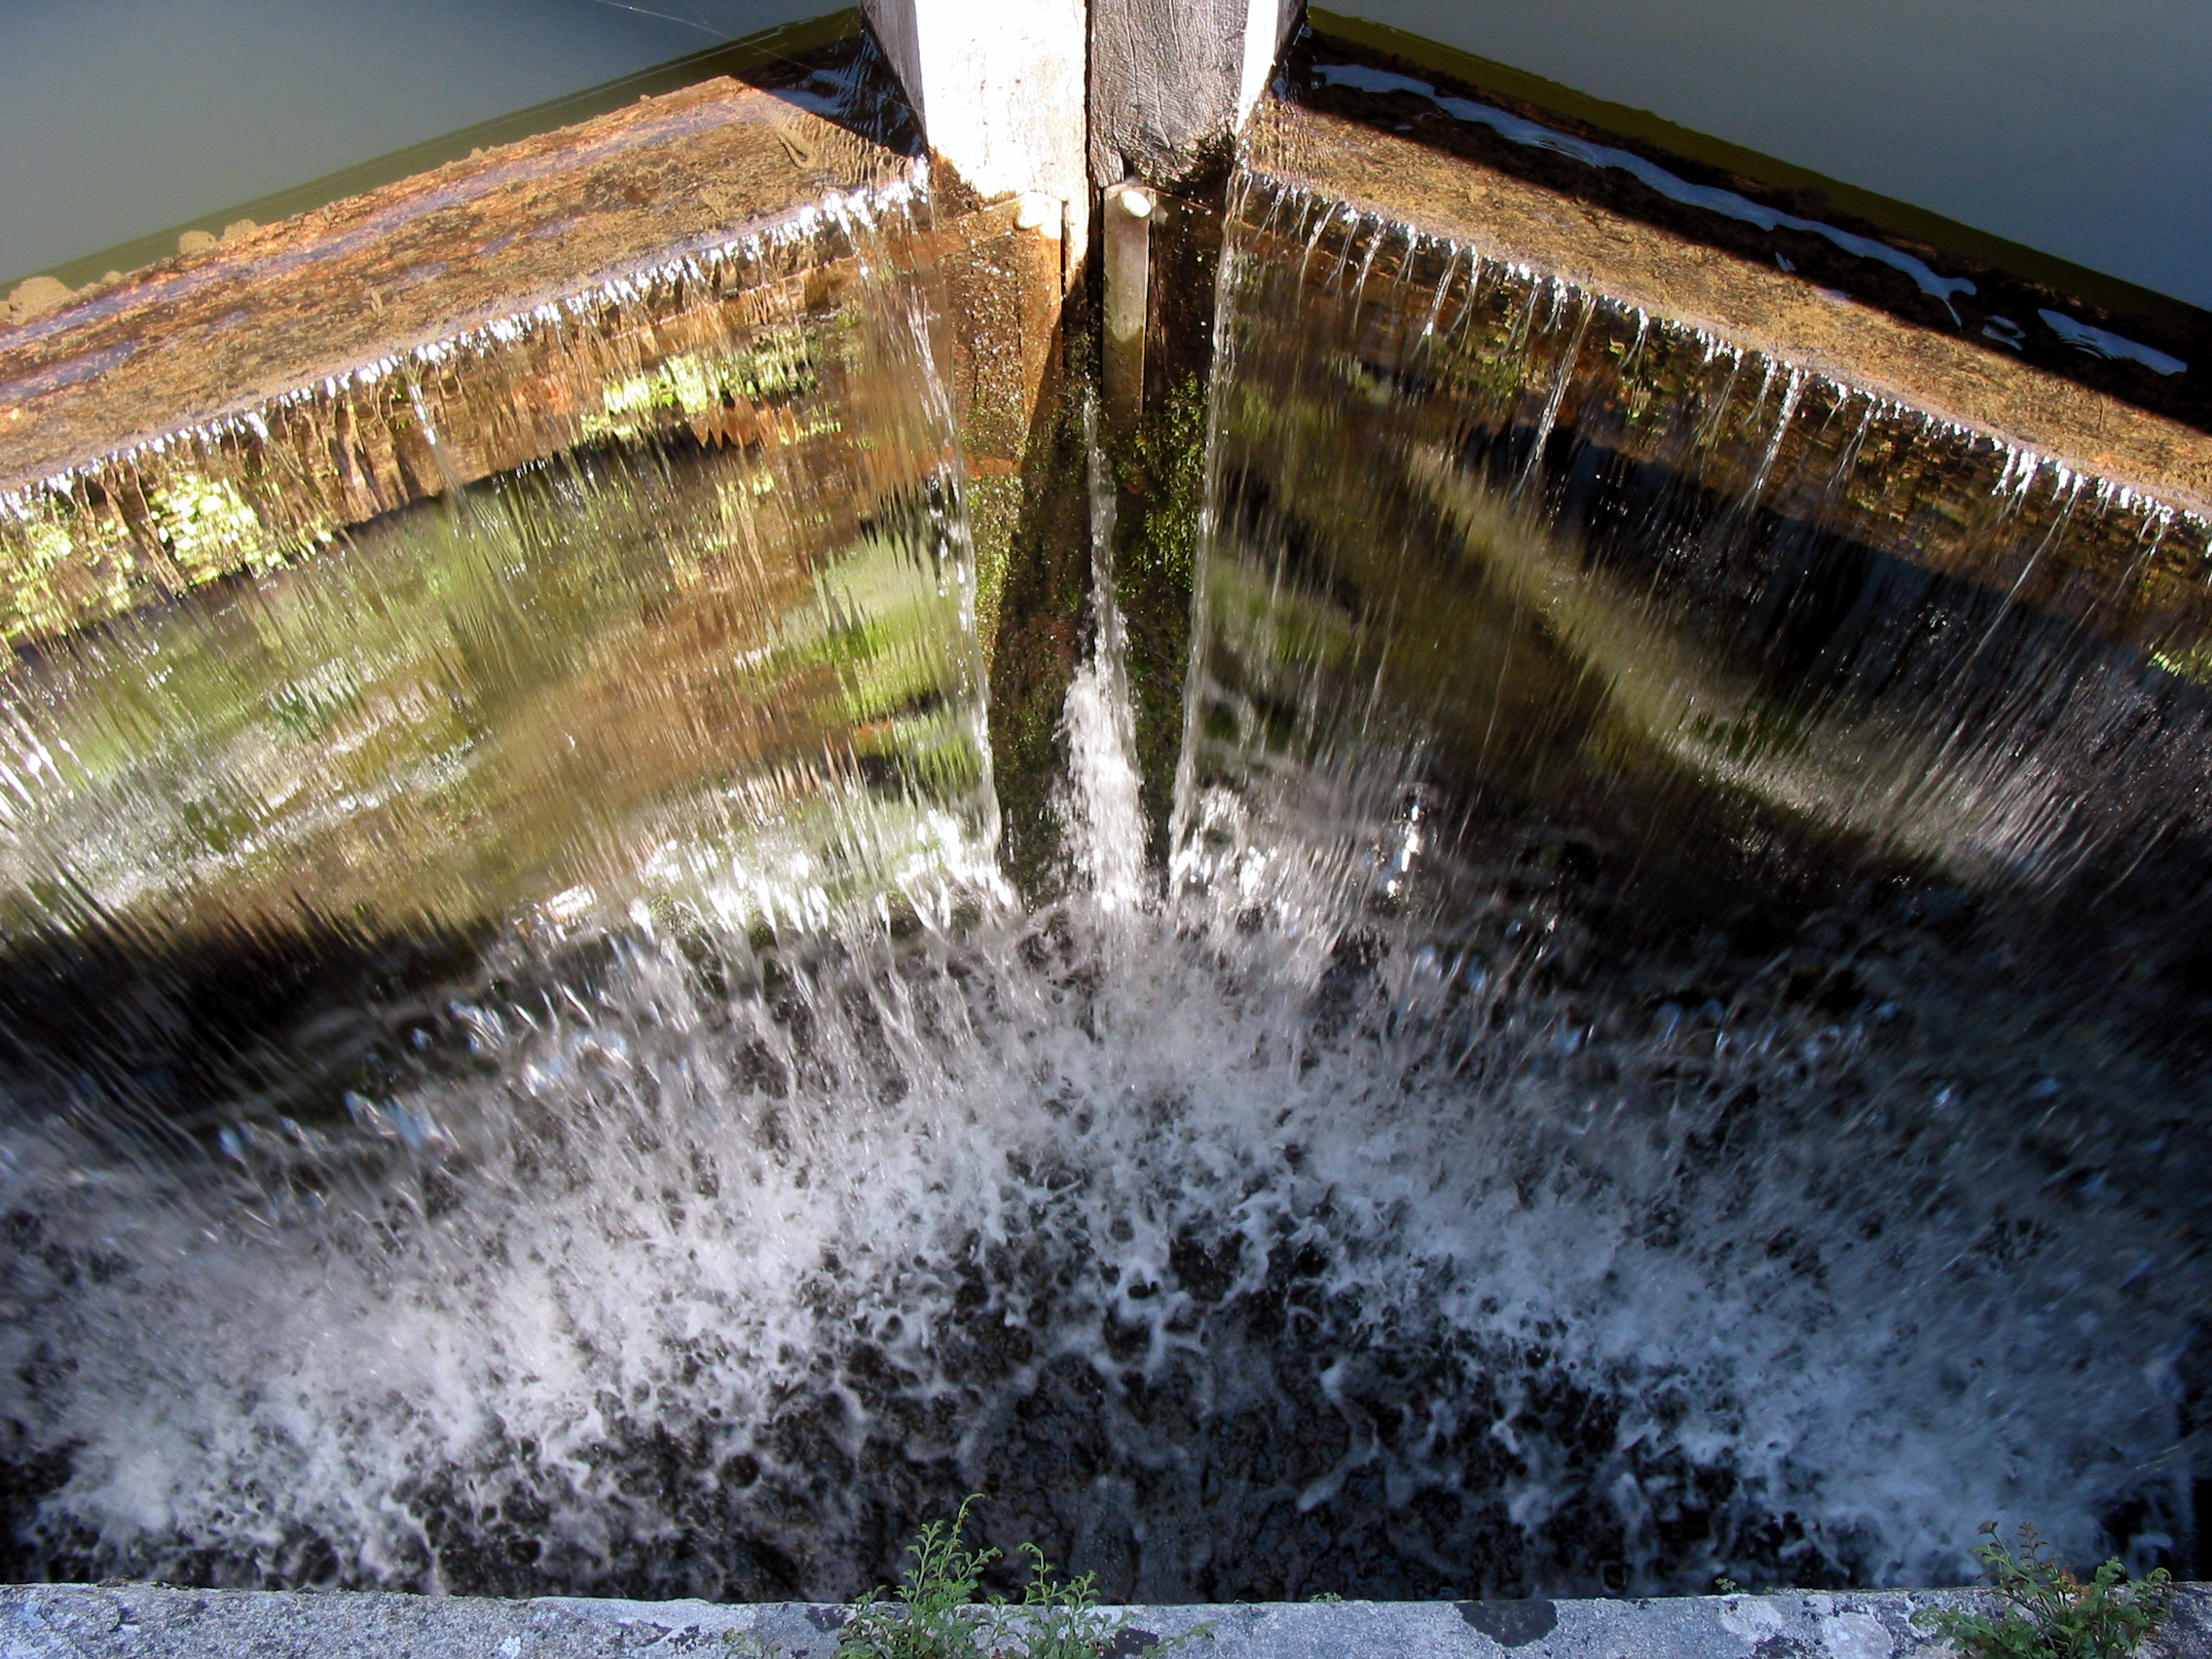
column 1672, row 275
column 144, row 1621
column 260, row 373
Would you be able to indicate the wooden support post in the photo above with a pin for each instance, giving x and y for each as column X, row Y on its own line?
column 1171, row 78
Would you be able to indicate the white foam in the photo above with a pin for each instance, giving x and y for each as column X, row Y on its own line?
column 662, row 1210
column 1101, row 814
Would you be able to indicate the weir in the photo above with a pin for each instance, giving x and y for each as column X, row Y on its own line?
column 1044, row 755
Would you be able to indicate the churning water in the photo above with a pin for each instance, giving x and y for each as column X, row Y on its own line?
column 1620, row 1083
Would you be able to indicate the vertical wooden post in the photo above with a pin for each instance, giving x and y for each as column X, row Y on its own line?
column 1169, row 78
column 1039, row 95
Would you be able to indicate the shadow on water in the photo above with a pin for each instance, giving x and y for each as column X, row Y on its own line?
column 150, row 1043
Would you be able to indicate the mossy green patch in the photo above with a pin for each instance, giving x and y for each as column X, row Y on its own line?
column 1036, row 635
column 1160, row 470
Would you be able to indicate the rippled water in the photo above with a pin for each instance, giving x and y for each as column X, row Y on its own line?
column 1597, row 1102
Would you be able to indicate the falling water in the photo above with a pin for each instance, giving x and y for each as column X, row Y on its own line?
column 1609, row 1096
column 713, row 648
column 1582, row 548
column 1667, row 706
column 1104, row 821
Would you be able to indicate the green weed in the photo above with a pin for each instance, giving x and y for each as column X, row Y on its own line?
column 2046, row 1612
column 935, row 1612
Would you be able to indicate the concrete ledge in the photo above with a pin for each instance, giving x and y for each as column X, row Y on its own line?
column 1918, row 431
column 84, row 1622
column 228, row 330
column 235, row 409
column 1759, row 307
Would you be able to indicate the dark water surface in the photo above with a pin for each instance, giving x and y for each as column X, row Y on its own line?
column 2080, row 131
column 121, row 117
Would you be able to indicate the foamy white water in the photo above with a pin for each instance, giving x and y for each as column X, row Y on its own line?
column 1099, row 807
column 677, row 1260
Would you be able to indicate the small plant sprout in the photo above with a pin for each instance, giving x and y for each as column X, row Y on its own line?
column 935, row 1614
column 2045, row 1612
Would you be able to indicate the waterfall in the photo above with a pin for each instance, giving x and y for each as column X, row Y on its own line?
column 715, row 652
column 1558, row 545
column 1102, row 817
column 1590, row 682
column 1602, row 1099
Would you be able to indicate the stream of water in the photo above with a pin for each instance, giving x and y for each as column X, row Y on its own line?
column 1668, row 1047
